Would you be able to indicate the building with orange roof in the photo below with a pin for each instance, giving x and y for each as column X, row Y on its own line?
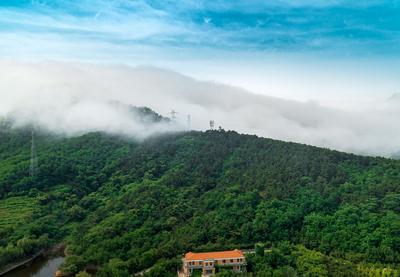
column 209, row 262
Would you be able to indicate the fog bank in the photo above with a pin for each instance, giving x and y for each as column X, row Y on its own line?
column 75, row 98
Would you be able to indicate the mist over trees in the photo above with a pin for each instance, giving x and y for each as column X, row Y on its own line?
column 76, row 98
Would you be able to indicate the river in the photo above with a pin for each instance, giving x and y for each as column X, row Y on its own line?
column 45, row 267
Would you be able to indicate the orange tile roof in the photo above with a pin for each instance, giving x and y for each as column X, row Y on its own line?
column 233, row 254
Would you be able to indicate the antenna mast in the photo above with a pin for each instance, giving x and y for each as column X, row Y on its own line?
column 189, row 122
column 33, row 168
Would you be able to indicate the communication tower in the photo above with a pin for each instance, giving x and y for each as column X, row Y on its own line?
column 212, row 124
column 189, row 122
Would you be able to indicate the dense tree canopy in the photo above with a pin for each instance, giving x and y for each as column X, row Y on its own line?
column 126, row 206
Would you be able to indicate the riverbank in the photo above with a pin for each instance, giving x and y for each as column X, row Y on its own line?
column 56, row 250
column 42, row 267
column 15, row 266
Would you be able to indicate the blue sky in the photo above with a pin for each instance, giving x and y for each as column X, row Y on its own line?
column 206, row 38
column 338, row 27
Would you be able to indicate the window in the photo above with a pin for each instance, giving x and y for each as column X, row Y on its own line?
column 231, row 260
column 200, row 263
column 223, row 261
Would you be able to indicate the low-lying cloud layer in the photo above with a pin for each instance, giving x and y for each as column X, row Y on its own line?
column 75, row 98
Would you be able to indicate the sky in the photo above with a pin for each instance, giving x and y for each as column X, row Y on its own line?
column 331, row 57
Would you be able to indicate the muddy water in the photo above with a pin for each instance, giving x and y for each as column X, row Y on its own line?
column 45, row 267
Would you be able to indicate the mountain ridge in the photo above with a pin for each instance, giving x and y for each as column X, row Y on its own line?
column 126, row 205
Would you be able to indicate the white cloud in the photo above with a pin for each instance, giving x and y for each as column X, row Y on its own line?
column 74, row 98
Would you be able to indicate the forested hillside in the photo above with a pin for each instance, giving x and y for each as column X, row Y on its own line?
column 125, row 206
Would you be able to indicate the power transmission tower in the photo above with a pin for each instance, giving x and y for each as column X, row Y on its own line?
column 173, row 115
column 33, row 168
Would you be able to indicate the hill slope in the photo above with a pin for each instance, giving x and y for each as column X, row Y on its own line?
column 125, row 206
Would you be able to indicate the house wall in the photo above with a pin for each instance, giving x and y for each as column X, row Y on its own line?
column 229, row 261
column 236, row 264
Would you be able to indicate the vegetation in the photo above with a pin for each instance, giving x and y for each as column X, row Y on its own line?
column 15, row 210
column 128, row 206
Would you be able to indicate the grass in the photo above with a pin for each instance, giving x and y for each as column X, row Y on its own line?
column 16, row 210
